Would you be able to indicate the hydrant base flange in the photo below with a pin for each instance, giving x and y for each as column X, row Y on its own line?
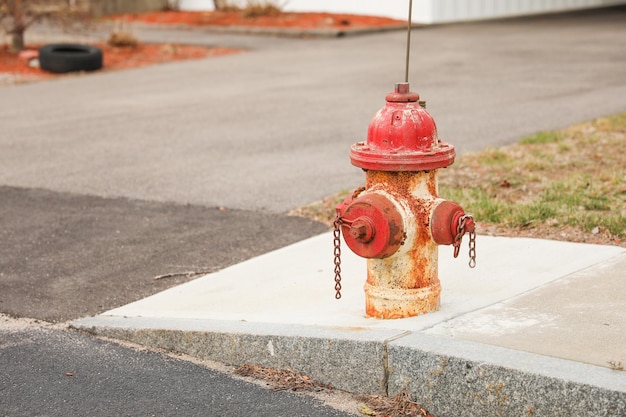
column 395, row 303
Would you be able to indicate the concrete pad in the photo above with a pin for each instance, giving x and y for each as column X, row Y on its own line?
column 279, row 310
column 294, row 285
column 580, row 317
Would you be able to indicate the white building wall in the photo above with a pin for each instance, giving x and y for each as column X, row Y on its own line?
column 460, row 10
column 425, row 11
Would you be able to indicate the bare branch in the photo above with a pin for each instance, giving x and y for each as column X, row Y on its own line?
column 16, row 16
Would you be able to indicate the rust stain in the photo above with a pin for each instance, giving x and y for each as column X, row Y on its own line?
column 406, row 284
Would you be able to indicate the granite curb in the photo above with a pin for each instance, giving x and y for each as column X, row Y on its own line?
column 449, row 377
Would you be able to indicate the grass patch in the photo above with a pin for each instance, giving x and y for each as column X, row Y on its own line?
column 568, row 184
column 542, row 137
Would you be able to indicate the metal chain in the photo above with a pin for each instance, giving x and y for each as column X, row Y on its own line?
column 460, row 231
column 472, row 249
column 337, row 253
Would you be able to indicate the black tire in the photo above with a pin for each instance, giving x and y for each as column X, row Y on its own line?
column 67, row 57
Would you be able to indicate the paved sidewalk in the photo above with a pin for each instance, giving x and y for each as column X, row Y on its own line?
column 518, row 333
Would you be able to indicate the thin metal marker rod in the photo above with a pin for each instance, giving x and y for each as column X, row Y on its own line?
column 408, row 42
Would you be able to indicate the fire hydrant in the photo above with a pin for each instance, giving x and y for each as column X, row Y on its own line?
column 398, row 220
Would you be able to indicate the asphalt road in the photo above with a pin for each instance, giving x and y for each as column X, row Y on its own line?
column 110, row 179
column 66, row 256
column 54, row 373
column 271, row 129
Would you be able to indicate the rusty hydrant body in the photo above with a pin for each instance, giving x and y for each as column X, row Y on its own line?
column 398, row 220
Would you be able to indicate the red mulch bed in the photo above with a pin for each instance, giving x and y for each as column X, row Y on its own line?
column 281, row 20
column 116, row 58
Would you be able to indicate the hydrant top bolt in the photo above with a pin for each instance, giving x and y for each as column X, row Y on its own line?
column 401, row 94
column 402, row 88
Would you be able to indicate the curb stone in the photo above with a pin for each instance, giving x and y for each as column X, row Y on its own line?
column 446, row 376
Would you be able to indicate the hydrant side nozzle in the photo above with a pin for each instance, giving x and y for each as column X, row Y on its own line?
column 444, row 222
column 375, row 228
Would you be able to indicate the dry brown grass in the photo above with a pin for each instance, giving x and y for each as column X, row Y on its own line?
column 371, row 405
column 252, row 8
column 399, row 406
column 255, row 9
column 123, row 39
column 281, row 379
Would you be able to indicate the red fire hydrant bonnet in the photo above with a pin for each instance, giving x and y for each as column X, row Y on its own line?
column 402, row 136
